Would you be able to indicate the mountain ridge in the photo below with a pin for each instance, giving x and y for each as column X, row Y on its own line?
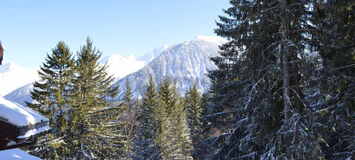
column 186, row 63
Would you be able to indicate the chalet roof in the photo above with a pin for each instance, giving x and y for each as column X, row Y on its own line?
column 16, row 154
column 18, row 115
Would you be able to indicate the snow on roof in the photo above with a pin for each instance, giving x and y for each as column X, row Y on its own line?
column 33, row 132
column 16, row 154
column 19, row 115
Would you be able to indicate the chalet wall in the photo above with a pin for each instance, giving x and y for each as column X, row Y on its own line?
column 7, row 131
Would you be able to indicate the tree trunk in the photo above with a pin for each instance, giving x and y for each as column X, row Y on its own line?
column 284, row 51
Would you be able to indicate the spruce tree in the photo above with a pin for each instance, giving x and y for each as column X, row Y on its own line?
column 286, row 76
column 173, row 137
column 193, row 104
column 334, row 40
column 92, row 87
column 146, row 148
column 194, row 110
column 127, row 121
column 76, row 96
column 52, row 96
column 257, row 93
column 182, row 130
column 164, row 137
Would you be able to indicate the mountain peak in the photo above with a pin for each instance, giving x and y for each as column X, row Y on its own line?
column 120, row 66
column 186, row 63
column 149, row 56
column 212, row 39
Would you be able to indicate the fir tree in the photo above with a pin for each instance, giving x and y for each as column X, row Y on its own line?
column 128, row 96
column 146, row 148
column 173, row 137
column 258, row 82
column 52, row 97
column 334, row 39
column 288, row 103
column 92, row 87
column 182, row 130
column 127, row 121
column 194, row 110
column 193, row 100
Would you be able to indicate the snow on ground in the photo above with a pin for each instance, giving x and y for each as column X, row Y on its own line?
column 19, row 115
column 16, row 154
column 13, row 76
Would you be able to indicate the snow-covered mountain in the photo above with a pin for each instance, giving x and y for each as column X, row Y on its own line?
column 187, row 63
column 149, row 56
column 121, row 66
column 21, row 95
column 13, row 76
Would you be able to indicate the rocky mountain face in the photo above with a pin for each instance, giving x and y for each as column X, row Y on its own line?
column 186, row 64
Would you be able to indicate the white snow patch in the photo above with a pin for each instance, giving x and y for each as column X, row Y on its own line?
column 21, row 95
column 13, row 76
column 34, row 132
column 11, row 143
column 121, row 66
column 212, row 39
column 151, row 55
column 19, row 115
column 16, row 154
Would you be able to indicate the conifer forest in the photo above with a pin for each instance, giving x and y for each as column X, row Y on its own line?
column 283, row 89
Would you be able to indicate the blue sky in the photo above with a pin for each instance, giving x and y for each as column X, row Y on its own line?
column 29, row 29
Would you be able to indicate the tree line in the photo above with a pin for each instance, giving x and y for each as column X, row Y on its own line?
column 285, row 83
column 88, row 122
column 283, row 89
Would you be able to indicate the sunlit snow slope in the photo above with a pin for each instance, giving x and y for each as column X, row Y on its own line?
column 186, row 63
column 121, row 66
column 16, row 154
column 21, row 95
column 13, row 76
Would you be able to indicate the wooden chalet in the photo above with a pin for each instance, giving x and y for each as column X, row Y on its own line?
column 19, row 125
column 1, row 53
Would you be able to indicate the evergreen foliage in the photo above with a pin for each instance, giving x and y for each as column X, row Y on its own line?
column 128, row 124
column 52, row 96
column 173, row 136
column 284, row 88
column 146, row 148
column 195, row 111
column 334, row 39
column 74, row 95
column 266, row 97
column 92, row 87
